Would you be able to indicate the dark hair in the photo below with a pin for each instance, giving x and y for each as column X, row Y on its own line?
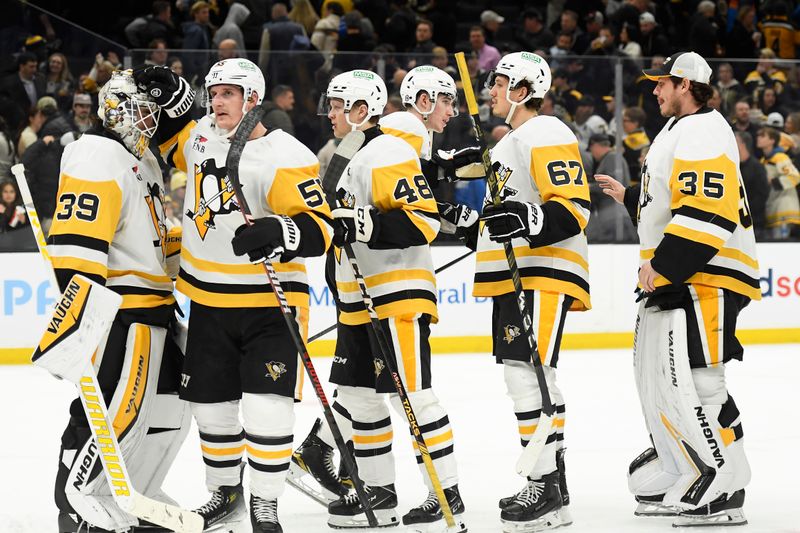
column 747, row 139
column 572, row 14
column 478, row 28
column 426, row 22
column 26, row 57
column 701, row 92
column 636, row 115
column 770, row 132
column 335, row 8
column 280, row 90
column 155, row 42
column 159, row 7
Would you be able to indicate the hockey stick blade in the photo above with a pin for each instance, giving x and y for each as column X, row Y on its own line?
column 530, row 454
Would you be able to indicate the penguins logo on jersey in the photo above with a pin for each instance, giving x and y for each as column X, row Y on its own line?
column 510, row 333
column 503, row 175
column 379, row 366
column 155, row 204
column 213, row 194
column 275, row 370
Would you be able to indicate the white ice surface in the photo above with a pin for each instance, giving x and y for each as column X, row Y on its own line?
column 604, row 432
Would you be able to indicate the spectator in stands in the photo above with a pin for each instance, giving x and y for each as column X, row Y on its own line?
column 440, row 60
column 593, row 21
column 744, row 39
column 792, row 127
column 42, row 163
column 741, row 118
column 651, row 39
column 783, row 204
column 786, row 142
column 400, row 26
column 425, row 45
column 628, row 13
column 157, row 25
column 586, row 122
column 228, row 49
column 635, row 140
column 705, row 31
column 608, row 220
column 326, row 33
column 303, row 13
column 31, row 132
column 12, row 214
column 642, row 96
column 754, row 178
column 488, row 55
column 55, row 123
column 24, row 88
column 597, row 71
column 353, row 40
column 629, row 47
column 491, row 23
column 715, row 102
column 779, row 32
column 8, row 156
column 730, row 90
column 158, row 52
column 765, row 74
column 175, row 65
column 81, row 115
column 196, row 37
column 568, row 22
column 563, row 94
column 562, row 48
column 59, row 82
column 534, row 35
column 393, row 104
column 768, row 102
column 276, row 115
column 231, row 28
column 278, row 36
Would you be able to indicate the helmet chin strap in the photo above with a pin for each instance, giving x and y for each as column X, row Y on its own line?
column 353, row 125
column 514, row 104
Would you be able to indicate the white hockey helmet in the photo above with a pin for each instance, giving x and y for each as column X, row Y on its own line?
column 128, row 111
column 236, row 71
column 433, row 81
column 519, row 67
column 353, row 86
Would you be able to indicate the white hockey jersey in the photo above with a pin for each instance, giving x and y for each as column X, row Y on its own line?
column 109, row 222
column 694, row 222
column 411, row 129
column 386, row 173
column 539, row 162
column 279, row 175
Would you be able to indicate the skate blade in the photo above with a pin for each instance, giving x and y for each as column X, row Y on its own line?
column 566, row 516
column 236, row 522
column 305, row 483
column 551, row 520
column 440, row 526
column 727, row 518
column 655, row 510
column 386, row 518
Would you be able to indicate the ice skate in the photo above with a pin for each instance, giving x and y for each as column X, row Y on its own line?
column 724, row 511
column 536, row 508
column 72, row 523
column 347, row 512
column 224, row 511
column 312, row 471
column 566, row 516
column 264, row 515
column 428, row 517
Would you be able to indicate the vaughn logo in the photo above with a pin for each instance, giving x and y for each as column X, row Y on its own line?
column 708, row 433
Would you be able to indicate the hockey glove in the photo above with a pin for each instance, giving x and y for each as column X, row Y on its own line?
column 355, row 224
column 267, row 237
column 512, row 220
column 776, row 184
column 453, row 217
column 460, row 164
column 168, row 90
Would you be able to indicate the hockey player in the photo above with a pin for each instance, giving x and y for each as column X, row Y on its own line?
column 109, row 226
column 698, row 270
column 239, row 352
column 544, row 211
column 384, row 188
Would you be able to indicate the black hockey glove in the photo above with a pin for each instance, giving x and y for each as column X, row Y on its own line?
column 511, row 220
column 267, row 237
column 776, row 184
column 168, row 90
column 453, row 217
column 462, row 164
column 360, row 223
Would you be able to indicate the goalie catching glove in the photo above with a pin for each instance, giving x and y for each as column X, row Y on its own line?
column 513, row 220
column 168, row 90
column 267, row 237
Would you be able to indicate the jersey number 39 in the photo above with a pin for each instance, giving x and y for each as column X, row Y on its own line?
column 83, row 206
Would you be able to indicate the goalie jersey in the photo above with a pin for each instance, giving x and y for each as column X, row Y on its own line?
column 694, row 222
column 109, row 223
column 539, row 162
column 398, row 268
column 278, row 176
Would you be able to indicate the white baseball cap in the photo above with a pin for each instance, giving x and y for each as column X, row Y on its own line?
column 775, row 120
column 491, row 16
column 647, row 17
column 689, row 65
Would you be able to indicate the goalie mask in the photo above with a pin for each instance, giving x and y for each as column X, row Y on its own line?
column 522, row 67
column 354, row 86
column 240, row 72
column 128, row 112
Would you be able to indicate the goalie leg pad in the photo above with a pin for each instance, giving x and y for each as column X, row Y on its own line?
column 372, row 434
column 683, row 429
column 268, row 423
column 523, row 389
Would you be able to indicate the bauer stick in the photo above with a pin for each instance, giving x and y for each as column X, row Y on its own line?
column 248, row 123
column 440, row 269
column 94, row 405
column 530, row 454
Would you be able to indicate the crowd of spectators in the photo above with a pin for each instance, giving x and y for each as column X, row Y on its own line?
column 596, row 50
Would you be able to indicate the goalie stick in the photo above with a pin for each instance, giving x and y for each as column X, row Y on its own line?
column 114, row 468
column 530, row 454
column 246, row 126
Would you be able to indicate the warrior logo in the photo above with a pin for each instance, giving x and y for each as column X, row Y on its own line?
column 511, row 333
column 213, row 195
column 155, row 204
column 275, row 370
column 379, row 366
column 644, row 196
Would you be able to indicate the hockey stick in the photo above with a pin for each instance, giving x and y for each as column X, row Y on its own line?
column 94, row 405
column 248, row 123
column 440, row 269
column 530, row 454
